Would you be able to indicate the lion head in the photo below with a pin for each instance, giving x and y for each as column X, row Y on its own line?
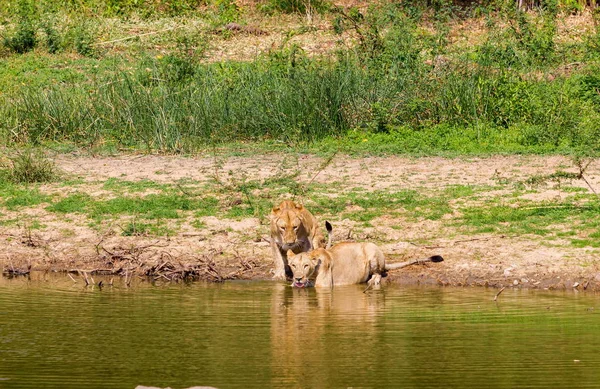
column 288, row 224
column 304, row 267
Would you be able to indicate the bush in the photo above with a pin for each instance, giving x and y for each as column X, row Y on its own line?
column 53, row 39
column 83, row 40
column 24, row 38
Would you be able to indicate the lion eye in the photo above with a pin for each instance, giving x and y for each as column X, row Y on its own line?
column 295, row 228
column 306, row 266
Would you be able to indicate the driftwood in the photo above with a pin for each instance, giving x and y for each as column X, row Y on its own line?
column 152, row 261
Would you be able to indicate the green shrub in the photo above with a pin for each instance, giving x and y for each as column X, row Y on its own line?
column 83, row 40
column 521, row 38
column 53, row 39
column 23, row 39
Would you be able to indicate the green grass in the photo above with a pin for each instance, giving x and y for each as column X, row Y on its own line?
column 321, row 101
column 531, row 218
column 508, row 94
column 137, row 228
column 74, row 203
column 167, row 205
column 14, row 196
column 118, row 185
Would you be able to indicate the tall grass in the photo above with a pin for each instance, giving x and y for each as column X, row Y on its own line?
column 382, row 86
column 215, row 103
column 307, row 101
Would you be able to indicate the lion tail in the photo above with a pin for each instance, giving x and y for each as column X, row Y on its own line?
column 329, row 229
column 400, row 265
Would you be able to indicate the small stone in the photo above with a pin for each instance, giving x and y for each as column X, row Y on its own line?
column 575, row 285
column 516, row 282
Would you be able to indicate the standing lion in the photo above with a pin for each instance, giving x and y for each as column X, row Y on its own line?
column 293, row 228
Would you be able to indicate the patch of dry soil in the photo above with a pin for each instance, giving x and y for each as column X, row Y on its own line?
column 240, row 249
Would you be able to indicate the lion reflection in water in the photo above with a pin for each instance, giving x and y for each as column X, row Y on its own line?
column 306, row 325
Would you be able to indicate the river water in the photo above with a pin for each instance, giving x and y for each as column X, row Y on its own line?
column 55, row 333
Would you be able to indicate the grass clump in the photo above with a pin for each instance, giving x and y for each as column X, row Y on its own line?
column 83, row 39
column 28, row 166
column 137, row 228
column 297, row 6
column 53, row 38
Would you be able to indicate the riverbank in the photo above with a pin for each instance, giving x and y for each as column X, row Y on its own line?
column 519, row 221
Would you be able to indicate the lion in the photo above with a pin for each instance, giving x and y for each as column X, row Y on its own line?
column 293, row 229
column 344, row 264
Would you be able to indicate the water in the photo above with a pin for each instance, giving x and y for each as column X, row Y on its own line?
column 57, row 334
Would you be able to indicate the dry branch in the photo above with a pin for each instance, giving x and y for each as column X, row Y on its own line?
column 498, row 294
column 134, row 36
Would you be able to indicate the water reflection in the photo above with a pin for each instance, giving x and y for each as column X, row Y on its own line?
column 306, row 323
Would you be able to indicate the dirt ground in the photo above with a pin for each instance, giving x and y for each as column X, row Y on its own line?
column 229, row 249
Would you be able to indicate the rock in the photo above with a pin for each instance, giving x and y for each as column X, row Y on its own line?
column 508, row 271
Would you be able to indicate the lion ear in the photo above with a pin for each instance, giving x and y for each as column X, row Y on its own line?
column 276, row 209
column 299, row 206
column 290, row 253
column 315, row 258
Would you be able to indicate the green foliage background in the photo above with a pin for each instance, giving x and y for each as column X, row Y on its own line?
column 400, row 89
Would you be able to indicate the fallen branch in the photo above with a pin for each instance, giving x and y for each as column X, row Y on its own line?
column 498, row 294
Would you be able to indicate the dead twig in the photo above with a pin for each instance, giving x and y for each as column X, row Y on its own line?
column 323, row 166
column 83, row 275
column 498, row 294
column 134, row 36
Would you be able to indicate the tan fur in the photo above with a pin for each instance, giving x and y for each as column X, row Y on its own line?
column 295, row 229
column 343, row 264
